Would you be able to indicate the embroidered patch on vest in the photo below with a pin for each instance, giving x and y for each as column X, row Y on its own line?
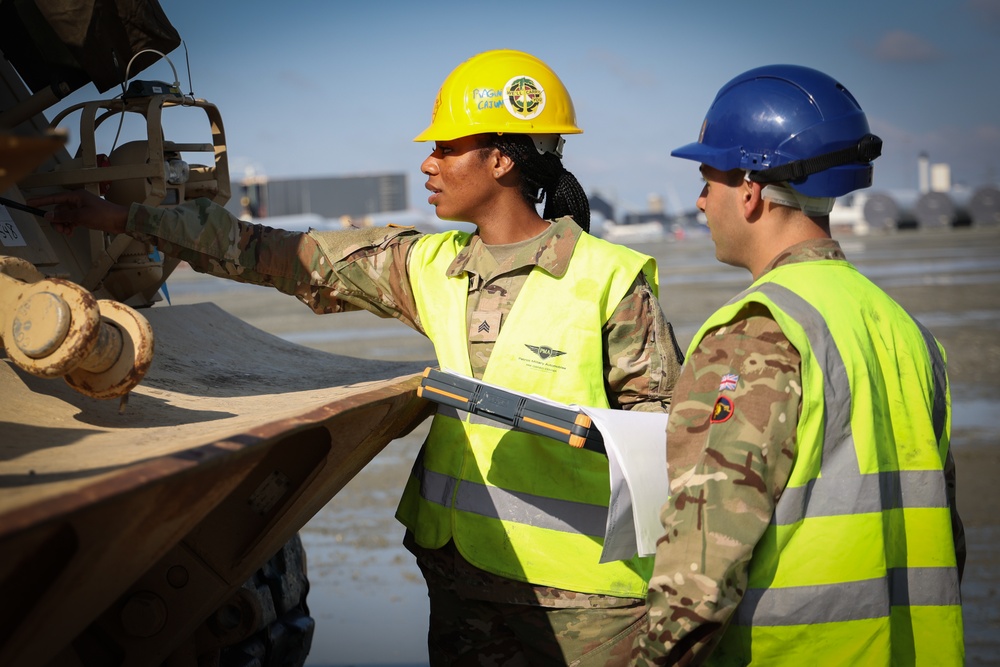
column 723, row 410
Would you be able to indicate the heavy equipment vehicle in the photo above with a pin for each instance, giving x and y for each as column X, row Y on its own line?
column 156, row 461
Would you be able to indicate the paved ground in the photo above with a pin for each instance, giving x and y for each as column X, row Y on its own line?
column 364, row 581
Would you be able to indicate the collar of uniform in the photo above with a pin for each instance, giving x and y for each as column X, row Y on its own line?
column 552, row 252
column 807, row 251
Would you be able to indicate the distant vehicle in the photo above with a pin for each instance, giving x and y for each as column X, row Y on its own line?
column 640, row 232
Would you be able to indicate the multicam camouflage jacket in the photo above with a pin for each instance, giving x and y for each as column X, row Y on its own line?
column 740, row 455
column 366, row 268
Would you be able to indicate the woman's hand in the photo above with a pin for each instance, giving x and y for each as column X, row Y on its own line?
column 81, row 208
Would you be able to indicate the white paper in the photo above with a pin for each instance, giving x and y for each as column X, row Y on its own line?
column 636, row 443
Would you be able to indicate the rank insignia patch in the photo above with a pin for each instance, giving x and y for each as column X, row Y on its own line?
column 722, row 411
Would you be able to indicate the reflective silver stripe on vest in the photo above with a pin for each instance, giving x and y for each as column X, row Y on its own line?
column 538, row 511
column 861, row 494
column 940, row 381
column 490, row 501
column 842, row 490
column 850, row 601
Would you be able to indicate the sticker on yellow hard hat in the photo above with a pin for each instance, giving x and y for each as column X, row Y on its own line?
column 524, row 97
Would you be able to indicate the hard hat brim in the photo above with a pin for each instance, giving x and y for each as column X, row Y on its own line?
column 433, row 133
column 723, row 159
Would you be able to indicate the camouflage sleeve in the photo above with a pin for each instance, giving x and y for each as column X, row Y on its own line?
column 642, row 356
column 329, row 271
column 730, row 447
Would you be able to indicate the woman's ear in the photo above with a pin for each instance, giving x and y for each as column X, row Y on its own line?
column 502, row 164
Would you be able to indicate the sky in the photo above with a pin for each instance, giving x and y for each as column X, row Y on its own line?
column 311, row 88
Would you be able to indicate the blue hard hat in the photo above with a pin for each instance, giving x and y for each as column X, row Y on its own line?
column 788, row 123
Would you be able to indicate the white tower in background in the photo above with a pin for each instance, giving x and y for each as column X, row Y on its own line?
column 923, row 174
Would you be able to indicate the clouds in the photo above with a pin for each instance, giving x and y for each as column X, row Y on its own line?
column 901, row 46
column 973, row 153
column 623, row 70
column 985, row 10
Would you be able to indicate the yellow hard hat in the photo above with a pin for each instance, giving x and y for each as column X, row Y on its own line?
column 501, row 91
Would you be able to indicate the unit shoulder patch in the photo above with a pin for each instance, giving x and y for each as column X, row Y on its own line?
column 723, row 410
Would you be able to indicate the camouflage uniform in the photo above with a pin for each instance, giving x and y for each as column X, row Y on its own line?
column 741, row 461
column 479, row 618
column 367, row 269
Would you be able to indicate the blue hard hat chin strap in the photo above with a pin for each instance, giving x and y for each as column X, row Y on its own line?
column 867, row 149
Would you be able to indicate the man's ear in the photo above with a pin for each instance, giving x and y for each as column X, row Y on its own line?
column 752, row 199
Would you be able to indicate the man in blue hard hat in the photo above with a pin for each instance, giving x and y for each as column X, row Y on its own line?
column 812, row 513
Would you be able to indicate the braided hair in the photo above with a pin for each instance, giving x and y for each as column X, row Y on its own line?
column 543, row 177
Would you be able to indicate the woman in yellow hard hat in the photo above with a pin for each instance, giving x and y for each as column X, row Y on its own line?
column 482, row 106
column 507, row 527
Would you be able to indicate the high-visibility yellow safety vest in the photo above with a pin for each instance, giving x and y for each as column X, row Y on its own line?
column 858, row 565
column 519, row 505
